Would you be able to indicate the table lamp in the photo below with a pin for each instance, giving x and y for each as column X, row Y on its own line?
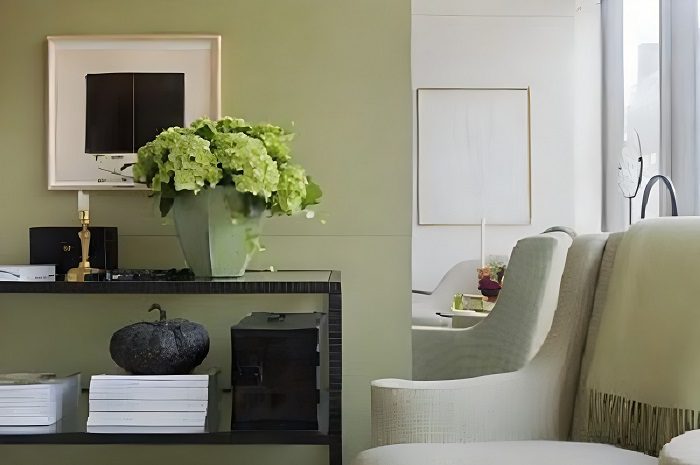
column 78, row 274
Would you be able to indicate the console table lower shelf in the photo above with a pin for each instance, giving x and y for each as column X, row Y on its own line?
column 221, row 438
column 325, row 284
column 72, row 430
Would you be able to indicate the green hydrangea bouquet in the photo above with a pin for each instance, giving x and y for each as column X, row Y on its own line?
column 218, row 178
column 255, row 158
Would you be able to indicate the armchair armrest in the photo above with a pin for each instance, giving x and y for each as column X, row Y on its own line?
column 682, row 450
column 438, row 354
column 458, row 353
column 519, row 405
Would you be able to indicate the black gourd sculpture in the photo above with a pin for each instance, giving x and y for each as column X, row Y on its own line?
column 164, row 347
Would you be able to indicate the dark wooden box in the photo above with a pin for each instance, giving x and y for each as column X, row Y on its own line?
column 275, row 372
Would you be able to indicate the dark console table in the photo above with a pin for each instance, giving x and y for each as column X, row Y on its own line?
column 71, row 430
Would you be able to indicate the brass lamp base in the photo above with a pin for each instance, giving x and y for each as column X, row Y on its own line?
column 77, row 275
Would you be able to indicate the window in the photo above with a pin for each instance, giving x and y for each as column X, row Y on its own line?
column 642, row 105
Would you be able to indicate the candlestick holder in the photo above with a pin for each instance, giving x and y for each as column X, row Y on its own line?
column 77, row 275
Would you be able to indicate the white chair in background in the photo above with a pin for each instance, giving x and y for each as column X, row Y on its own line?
column 427, row 305
column 508, row 336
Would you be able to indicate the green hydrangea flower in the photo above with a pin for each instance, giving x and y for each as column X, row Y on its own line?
column 228, row 124
column 291, row 190
column 253, row 158
column 251, row 168
column 276, row 140
column 177, row 155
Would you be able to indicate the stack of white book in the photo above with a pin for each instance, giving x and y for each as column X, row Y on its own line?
column 149, row 403
column 36, row 400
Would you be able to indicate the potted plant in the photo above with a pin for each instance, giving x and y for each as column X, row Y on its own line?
column 491, row 279
column 219, row 178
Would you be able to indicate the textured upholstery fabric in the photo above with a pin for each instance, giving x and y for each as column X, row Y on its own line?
column 535, row 402
column 513, row 331
column 503, row 453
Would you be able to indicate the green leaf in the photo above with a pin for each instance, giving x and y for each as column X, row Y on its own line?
column 313, row 194
column 204, row 128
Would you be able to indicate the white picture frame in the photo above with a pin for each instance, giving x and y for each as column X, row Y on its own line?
column 71, row 58
column 473, row 156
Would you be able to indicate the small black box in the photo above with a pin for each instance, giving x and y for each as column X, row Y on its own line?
column 275, row 372
column 60, row 246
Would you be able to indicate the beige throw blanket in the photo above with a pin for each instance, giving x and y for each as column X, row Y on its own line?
column 643, row 381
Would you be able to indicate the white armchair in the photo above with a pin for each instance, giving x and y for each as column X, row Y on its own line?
column 522, row 417
column 513, row 331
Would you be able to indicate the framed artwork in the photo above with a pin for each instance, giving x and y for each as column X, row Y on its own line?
column 473, row 156
column 109, row 95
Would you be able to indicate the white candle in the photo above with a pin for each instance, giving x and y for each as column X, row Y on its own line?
column 83, row 201
column 483, row 242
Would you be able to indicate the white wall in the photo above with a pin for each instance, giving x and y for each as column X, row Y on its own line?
column 502, row 43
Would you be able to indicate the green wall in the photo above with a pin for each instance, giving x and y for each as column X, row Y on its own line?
column 339, row 70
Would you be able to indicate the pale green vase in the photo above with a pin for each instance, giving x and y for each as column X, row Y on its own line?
column 213, row 243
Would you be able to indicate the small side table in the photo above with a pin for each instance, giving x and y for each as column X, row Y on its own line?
column 467, row 318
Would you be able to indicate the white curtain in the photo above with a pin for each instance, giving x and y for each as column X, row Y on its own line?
column 614, row 208
column 679, row 90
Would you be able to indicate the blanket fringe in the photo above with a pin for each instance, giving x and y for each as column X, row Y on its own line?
column 613, row 419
